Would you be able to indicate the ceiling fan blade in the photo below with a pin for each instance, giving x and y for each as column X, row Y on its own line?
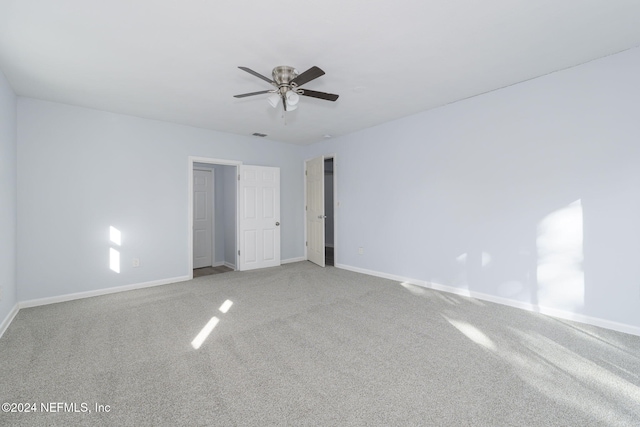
column 321, row 95
column 311, row 74
column 260, row 76
column 243, row 95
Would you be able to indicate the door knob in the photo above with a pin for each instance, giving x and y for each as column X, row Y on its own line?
column 277, row 224
column 322, row 216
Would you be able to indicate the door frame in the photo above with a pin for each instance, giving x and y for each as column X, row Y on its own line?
column 336, row 204
column 212, row 206
column 207, row 160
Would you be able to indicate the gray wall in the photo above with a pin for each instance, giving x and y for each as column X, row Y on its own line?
column 467, row 195
column 8, row 198
column 81, row 171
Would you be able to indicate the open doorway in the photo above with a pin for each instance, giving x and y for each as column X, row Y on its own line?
column 328, row 211
column 212, row 216
column 214, row 219
column 252, row 239
column 320, row 205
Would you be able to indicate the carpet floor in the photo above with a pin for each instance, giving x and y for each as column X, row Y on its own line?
column 306, row 346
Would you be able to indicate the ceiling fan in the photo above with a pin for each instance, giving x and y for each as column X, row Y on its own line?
column 287, row 84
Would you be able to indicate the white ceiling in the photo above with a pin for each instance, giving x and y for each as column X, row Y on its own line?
column 177, row 60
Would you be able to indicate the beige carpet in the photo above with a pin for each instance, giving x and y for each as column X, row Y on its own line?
column 306, row 346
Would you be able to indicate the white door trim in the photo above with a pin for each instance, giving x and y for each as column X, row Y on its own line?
column 190, row 161
column 336, row 203
column 336, row 206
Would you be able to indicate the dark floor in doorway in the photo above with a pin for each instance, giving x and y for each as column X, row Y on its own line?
column 328, row 256
column 208, row 271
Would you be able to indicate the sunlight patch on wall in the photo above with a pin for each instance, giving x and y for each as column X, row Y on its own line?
column 204, row 333
column 114, row 260
column 465, row 260
column 115, row 236
column 560, row 256
column 459, row 278
column 114, row 255
column 486, row 259
column 511, row 289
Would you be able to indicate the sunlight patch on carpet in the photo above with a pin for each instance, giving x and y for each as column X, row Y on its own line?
column 204, row 333
column 226, row 306
column 473, row 333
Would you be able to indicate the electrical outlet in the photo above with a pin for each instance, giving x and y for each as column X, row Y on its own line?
column 136, row 262
column 360, row 251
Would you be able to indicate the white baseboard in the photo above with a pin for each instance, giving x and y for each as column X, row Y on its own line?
column 290, row 260
column 228, row 264
column 561, row 314
column 98, row 292
column 217, row 264
column 7, row 320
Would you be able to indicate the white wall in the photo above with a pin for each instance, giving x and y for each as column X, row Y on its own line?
column 8, row 161
column 82, row 171
column 225, row 202
column 427, row 195
column 469, row 195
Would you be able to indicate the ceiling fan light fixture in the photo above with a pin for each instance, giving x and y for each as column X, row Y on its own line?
column 292, row 98
column 274, row 99
column 287, row 82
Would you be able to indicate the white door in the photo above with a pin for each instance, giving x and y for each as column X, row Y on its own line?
column 259, row 217
column 202, row 218
column 315, row 210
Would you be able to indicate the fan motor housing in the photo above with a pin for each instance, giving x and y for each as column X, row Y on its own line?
column 283, row 74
